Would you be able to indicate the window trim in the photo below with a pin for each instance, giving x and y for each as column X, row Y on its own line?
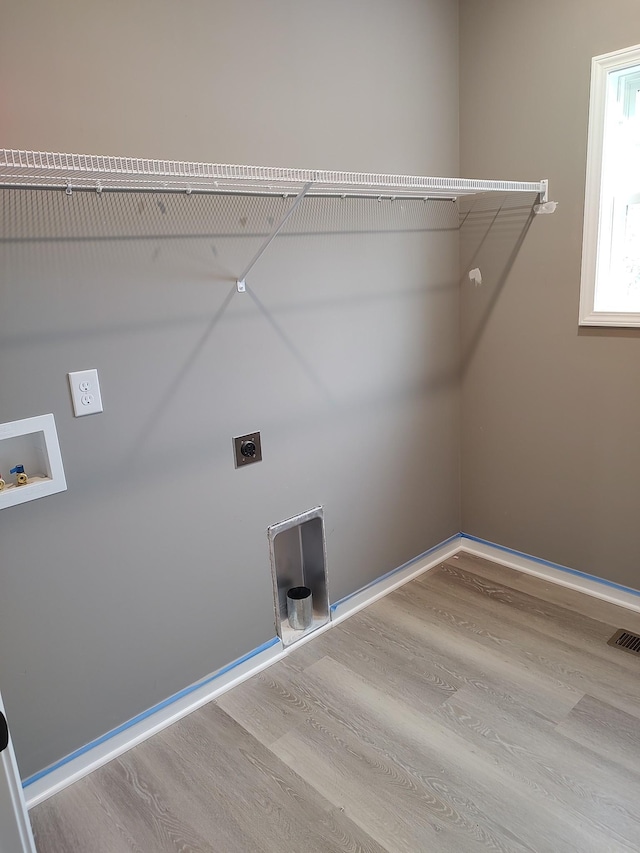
column 600, row 68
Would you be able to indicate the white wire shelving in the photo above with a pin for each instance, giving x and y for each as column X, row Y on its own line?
column 40, row 170
column 71, row 172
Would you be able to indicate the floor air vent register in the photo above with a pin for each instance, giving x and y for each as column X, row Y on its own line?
column 626, row 641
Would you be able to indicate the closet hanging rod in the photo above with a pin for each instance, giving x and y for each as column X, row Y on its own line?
column 47, row 170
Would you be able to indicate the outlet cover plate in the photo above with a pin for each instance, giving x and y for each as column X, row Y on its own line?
column 85, row 392
column 238, row 442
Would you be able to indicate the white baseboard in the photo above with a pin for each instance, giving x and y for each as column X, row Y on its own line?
column 561, row 575
column 113, row 744
column 119, row 741
column 116, row 743
column 386, row 584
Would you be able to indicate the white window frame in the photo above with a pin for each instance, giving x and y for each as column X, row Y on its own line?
column 599, row 204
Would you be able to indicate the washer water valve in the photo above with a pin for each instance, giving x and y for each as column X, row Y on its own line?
column 2, row 483
column 21, row 477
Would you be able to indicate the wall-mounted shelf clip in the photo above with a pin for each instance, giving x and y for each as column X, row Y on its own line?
column 547, row 207
column 475, row 276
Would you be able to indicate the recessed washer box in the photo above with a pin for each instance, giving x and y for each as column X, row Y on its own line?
column 33, row 443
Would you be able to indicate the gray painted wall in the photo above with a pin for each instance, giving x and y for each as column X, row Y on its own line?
column 125, row 589
column 551, row 413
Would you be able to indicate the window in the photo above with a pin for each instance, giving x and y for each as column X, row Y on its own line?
column 610, row 286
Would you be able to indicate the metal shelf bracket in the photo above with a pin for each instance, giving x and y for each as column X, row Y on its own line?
column 544, row 205
column 544, row 192
column 241, row 281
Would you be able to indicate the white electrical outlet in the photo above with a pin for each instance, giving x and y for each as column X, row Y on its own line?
column 85, row 392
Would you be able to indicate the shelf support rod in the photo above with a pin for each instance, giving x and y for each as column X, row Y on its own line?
column 240, row 283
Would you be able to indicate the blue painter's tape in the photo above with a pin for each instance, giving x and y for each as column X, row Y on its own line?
column 551, row 565
column 395, row 571
column 192, row 688
column 148, row 713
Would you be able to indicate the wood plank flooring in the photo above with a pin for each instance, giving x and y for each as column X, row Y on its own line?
column 474, row 709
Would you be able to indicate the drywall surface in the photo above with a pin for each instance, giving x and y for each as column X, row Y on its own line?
column 551, row 413
column 152, row 570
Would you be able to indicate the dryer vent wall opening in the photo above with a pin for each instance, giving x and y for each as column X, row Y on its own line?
column 298, row 559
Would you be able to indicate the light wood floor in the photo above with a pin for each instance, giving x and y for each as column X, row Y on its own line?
column 474, row 709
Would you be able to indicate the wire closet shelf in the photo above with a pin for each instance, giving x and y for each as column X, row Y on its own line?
column 90, row 172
